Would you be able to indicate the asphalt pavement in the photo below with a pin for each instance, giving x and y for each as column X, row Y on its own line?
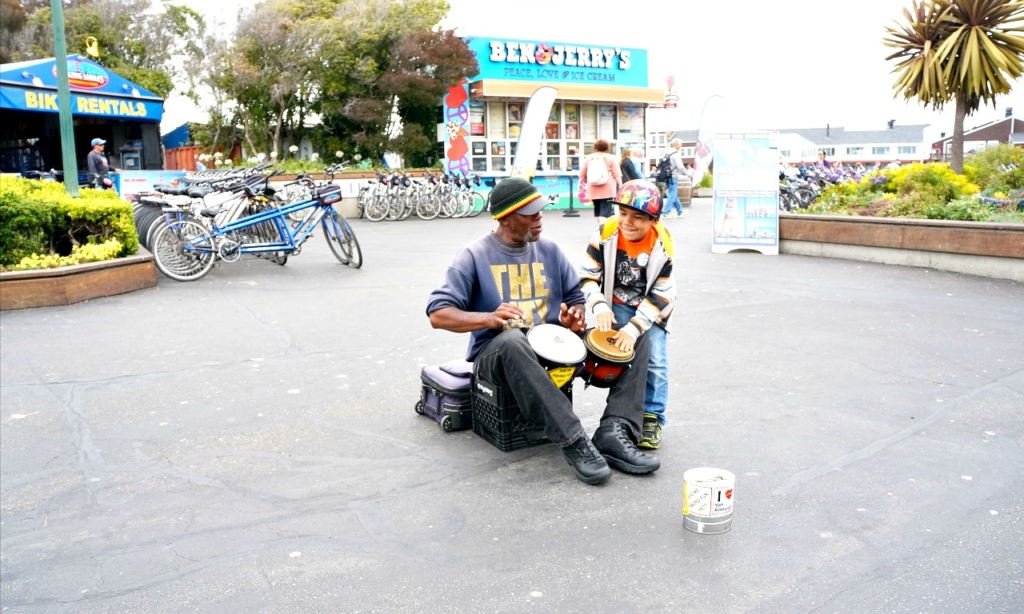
column 247, row 443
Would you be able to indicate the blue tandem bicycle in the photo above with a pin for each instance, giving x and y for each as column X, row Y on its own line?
column 187, row 247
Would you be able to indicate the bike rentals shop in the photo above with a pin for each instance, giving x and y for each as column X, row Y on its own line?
column 103, row 105
column 603, row 93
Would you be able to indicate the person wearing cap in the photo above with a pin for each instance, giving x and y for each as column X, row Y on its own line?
column 627, row 280
column 514, row 278
column 97, row 164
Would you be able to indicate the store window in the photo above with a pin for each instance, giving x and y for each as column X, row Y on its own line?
column 496, row 120
column 554, row 156
column 479, row 156
column 606, row 122
column 552, row 131
column 498, row 157
column 631, row 122
column 572, row 121
column 573, row 159
column 515, row 119
column 476, row 118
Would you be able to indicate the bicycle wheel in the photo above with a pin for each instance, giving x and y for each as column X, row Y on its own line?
column 465, row 203
column 342, row 240
column 806, row 196
column 396, row 207
column 184, row 252
column 377, row 209
column 410, row 206
column 479, row 204
column 429, row 207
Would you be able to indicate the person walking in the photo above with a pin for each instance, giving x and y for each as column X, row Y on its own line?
column 627, row 166
column 97, row 165
column 603, row 177
column 678, row 170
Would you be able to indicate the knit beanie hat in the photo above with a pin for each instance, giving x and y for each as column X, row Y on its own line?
column 515, row 195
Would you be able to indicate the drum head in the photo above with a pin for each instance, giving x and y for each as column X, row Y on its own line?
column 603, row 345
column 557, row 344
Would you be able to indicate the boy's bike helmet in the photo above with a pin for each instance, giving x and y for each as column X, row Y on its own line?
column 640, row 195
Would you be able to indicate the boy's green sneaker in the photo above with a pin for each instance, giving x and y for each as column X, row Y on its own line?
column 650, row 438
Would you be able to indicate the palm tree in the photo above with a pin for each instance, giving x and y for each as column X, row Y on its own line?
column 967, row 51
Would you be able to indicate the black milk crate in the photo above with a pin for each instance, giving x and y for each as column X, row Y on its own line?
column 496, row 418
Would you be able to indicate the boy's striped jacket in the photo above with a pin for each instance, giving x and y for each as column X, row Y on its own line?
column 656, row 307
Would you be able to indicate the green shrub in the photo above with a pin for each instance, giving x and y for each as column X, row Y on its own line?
column 934, row 181
column 984, row 168
column 26, row 226
column 38, row 217
column 707, row 181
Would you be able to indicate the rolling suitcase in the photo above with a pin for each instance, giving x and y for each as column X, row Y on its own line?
column 445, row 397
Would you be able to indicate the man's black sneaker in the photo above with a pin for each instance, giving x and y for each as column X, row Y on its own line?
column 588, row 465
column 614, row 441
column 650, row 438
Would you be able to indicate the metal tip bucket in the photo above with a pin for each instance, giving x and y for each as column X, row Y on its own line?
column 708, row 496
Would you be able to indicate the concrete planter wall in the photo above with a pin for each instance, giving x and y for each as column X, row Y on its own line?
column 73, row 284
column 989, row 250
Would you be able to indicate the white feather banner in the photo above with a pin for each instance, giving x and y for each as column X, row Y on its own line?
column 534, row 120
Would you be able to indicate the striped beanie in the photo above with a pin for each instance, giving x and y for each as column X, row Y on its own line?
column 515, row 195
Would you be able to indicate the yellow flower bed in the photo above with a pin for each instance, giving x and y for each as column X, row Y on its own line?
column 80, row 254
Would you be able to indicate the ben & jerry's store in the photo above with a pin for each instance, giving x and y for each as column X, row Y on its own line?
column 602, row 94
column 103, row 105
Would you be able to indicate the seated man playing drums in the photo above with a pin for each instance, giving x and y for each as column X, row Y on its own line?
column 510, row 279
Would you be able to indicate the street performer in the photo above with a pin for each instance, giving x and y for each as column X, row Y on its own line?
column 510, row 279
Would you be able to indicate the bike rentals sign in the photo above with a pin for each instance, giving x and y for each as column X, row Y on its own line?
column 746, row 194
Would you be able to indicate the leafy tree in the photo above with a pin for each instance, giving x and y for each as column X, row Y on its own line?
column 12, row 20
column 146, row 45
column 965, row 51
column 422, row 66
column 356, row 69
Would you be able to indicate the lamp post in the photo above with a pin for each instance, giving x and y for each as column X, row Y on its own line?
column 67, row 129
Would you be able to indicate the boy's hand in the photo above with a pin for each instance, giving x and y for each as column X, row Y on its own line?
column 604, row 321
column 572, row 317
column 624, row 341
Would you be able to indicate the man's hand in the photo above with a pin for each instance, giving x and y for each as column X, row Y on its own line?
column 572, row 318
column 504, row 313
column 604, row 321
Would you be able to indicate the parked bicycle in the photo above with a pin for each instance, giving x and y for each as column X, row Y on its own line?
column 188, row 246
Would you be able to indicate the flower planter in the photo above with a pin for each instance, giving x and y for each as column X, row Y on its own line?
column 975, row 248
column 80, row 282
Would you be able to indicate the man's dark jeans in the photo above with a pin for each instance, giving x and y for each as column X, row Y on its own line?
column 510, row 362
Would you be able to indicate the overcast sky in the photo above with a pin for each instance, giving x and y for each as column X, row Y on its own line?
column 777, row 63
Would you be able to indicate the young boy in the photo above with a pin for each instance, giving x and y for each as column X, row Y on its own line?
column 637, row 252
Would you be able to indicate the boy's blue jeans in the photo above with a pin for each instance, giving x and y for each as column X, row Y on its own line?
column 656, row 393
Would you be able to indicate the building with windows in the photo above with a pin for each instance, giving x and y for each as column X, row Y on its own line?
column 603, row 93
column 868, row 147
column 801, row 145
column 1006, row 130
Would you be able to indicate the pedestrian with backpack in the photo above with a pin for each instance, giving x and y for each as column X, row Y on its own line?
column 674, row 163
column 601, row 174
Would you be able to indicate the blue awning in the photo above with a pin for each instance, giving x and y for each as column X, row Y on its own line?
column 95, row 91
